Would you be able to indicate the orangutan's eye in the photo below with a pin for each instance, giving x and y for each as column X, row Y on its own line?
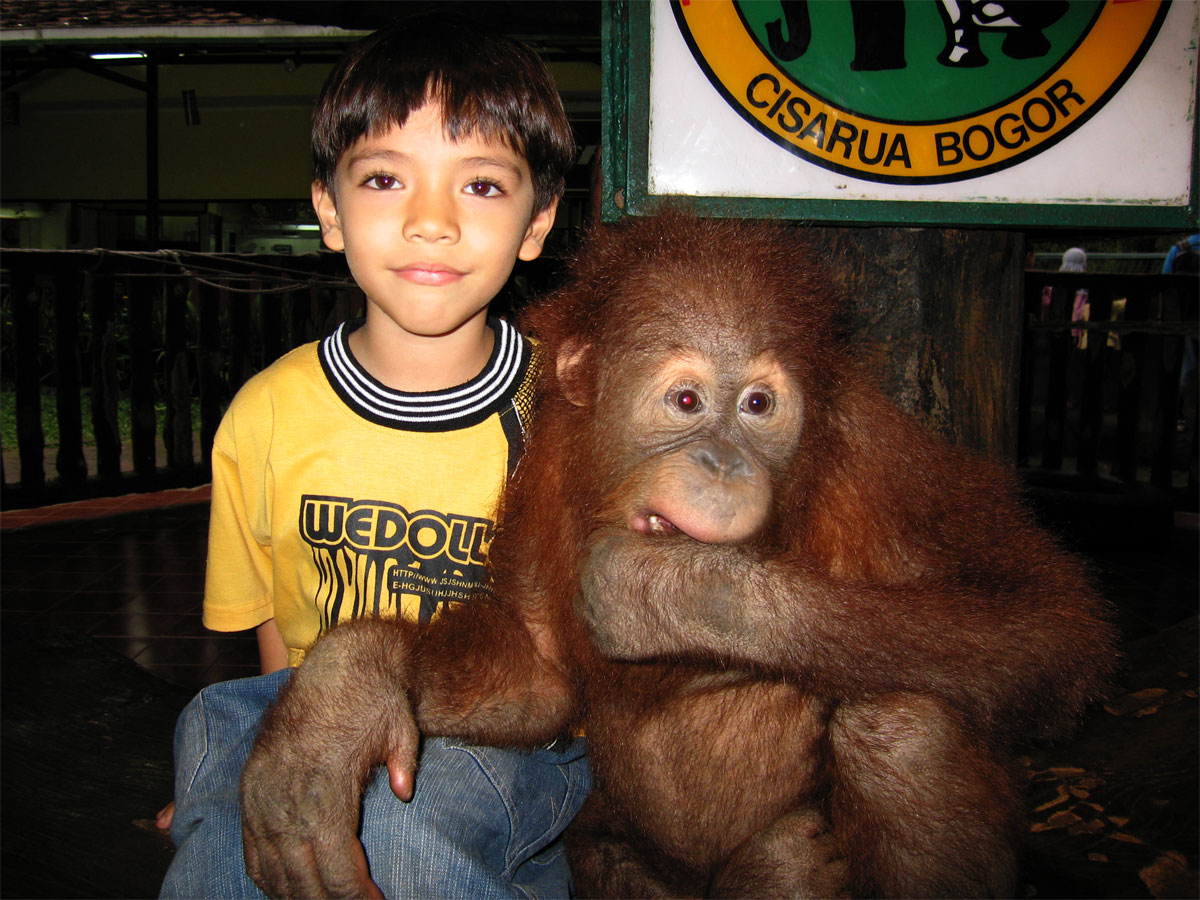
column 686, row 400
column 757, row 403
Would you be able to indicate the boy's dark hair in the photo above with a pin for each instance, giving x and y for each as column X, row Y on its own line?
column 485, row 83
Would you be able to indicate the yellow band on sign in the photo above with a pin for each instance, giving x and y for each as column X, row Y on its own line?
column 898, row 151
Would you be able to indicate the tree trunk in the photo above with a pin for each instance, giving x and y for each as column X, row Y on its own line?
column 937, row 315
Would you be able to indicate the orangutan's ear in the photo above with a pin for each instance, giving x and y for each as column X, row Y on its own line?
column 571, row 356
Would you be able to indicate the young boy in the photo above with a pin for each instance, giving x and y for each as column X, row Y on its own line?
column 361, row 475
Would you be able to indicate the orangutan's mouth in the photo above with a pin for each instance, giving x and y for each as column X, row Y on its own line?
column 653, row 523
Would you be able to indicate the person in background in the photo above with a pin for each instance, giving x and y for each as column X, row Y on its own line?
column 1075, row 260
column 1184, row 259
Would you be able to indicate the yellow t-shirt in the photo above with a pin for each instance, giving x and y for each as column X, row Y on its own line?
column 336, row 497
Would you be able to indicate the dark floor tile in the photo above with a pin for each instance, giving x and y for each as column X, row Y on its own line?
column 191, row 677
column 30, row 599
column 239, row 651
column 184, row 625
column 175, row 650
column 194, row 677
column 166, row 583
column 72, row 582
column 17, row 617
column 100, row 561
column 127, row 645
column 87, row 622
column 13, row 574
column 163, row 602
column 59, row 541
column 151, row 625
column 107, row 601
column 22, row 567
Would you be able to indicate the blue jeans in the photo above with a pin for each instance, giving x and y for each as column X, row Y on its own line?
column 484, row 822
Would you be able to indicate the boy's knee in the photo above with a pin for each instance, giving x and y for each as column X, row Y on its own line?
column 213, row 736
column 191, row 744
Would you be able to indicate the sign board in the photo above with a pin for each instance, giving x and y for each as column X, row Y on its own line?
column 1077, row 113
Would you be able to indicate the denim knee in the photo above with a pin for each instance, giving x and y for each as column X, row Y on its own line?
column 483, row 819
column 213, row 737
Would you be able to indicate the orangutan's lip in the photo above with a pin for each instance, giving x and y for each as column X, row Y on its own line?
column 653, row 523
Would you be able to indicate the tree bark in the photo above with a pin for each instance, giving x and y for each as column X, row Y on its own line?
column 937, row 314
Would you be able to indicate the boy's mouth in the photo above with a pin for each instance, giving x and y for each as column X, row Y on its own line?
column 428, row 273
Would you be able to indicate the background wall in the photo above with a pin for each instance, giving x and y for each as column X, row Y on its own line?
column 75, row 136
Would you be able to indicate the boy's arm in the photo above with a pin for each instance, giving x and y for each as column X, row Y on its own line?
column 238, row 592
column 272, row 652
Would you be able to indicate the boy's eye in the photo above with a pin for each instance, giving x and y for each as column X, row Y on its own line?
column 482, row 188
column 383, row 182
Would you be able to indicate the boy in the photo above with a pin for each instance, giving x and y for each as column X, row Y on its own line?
column 361, row 475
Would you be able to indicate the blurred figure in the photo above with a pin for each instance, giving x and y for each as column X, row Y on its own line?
column 1075, row 260
column 1184, row 259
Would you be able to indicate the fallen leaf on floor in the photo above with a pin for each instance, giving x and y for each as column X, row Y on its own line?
column 1060, row 819
column 1169, row 876
column 1133, row 703
column 1061, row 797
column 1127, row 838
column 1062, row 771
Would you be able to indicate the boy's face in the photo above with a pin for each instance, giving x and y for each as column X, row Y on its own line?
column 431, row 227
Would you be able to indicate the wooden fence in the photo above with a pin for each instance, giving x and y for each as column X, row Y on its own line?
column 173, row 335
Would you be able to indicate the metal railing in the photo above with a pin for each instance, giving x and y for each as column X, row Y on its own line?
column 1105, row 389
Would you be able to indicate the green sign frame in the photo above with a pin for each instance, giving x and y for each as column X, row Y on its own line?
column 625, row 165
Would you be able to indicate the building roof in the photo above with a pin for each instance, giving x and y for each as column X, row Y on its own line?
column 62, row 24
column 54, row 33
column 56, row 14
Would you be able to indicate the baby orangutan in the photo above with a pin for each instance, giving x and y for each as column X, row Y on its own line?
column 802, row 633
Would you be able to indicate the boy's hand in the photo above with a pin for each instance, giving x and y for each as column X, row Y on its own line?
column 165, row 816
column 344, row 711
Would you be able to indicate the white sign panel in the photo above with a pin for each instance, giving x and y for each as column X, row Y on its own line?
column 927, row 101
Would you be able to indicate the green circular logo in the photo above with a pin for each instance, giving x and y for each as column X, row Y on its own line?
column 917, row 92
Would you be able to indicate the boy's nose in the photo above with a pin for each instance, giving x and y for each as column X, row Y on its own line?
column 430, row 218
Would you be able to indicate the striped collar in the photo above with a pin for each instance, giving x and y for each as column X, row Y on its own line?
column 458, row 407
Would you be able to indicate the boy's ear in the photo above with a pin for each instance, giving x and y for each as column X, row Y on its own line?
column 535, row 234
column 327, row 215
column 570, row 370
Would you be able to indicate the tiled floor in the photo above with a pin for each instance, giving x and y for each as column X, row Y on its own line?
column 87, row 753
column 133, row 581
column 129, row 571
